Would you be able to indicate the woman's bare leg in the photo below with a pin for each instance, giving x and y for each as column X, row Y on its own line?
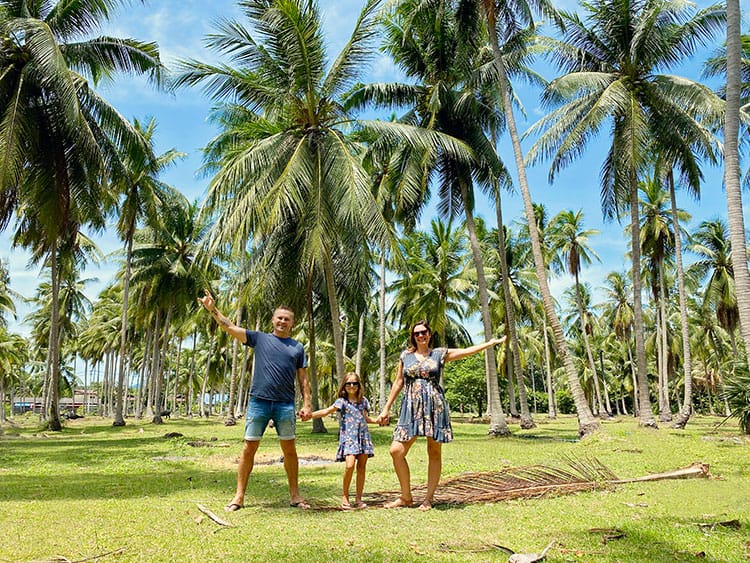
column 401, row 466
column 434, row 467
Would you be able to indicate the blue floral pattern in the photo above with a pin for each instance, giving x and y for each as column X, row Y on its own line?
column 354, row 435
column 424, row 409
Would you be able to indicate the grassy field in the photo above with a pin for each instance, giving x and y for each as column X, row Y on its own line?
column 97, row 493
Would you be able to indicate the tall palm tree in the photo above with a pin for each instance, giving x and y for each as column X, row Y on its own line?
column 611, row 58
column 503, row 20
column 434, row 46
column 142, row 193
column 284, row 159
column 59, row 139
column 571, row 240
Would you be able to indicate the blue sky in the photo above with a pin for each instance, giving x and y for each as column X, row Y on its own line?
column 179, row 28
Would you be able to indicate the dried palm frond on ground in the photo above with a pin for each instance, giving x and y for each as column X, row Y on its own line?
column 531, row 481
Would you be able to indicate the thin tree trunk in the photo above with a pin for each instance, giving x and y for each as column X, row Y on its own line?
column 646, row 416
column 510, row 314
column 381, row 333
column 119, row 418
column 153, row 365
column 587, row 424
column 54, row 342
column 737, row 231
column 318, row 427
column 360, row 344
column 498, row 424
column 665, row 409
column 551, row 405
column 230, row 419
column 587, row 346
column 335, row 318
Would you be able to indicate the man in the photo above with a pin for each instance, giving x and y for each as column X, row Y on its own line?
column 278, row 360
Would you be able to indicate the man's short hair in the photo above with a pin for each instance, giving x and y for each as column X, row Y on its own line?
column 285, row 308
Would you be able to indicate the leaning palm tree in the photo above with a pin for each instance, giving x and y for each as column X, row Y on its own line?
column 59, row 140
column 451, row 95
column 503, row 20
column 571, row 240
column 610, row 58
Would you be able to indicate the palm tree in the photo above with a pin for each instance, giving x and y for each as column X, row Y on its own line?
column 451, row 96
column 571, row 241
column 142, row 193
column 58, row 139
column 284, row 159
column 503, row 20
column 610, row 58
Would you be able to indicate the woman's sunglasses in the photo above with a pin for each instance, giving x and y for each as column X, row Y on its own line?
column 420, row 332
column 351, row 384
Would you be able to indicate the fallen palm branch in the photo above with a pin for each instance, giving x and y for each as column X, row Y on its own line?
column 533, row 481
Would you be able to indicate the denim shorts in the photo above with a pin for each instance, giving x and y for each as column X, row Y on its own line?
column 260, row 411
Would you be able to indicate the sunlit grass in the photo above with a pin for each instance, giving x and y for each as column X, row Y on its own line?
column 93, row 489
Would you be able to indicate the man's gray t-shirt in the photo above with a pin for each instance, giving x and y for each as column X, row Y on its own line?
column 276, row 363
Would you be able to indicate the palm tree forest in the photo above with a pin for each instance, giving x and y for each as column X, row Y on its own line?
column 367, row 204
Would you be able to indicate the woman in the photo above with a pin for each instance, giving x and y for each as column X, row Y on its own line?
column 424, row 410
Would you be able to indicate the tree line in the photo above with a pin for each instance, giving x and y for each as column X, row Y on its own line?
column 310, row 205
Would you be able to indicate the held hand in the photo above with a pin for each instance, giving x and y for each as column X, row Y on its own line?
column 305, row 414
column 383, row 418
column 207, row 301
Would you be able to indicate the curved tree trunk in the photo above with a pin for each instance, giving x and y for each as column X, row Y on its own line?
column 587, row 424
column 498, row 424
column 510, row 314
column 587, row 346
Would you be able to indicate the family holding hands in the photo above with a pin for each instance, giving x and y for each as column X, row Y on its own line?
column 279, row 360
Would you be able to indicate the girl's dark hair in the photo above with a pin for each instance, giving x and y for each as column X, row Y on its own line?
column 342, row 387
column 412, row 340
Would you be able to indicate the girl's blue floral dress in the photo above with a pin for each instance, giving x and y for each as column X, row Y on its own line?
column 424, row 410
column 354, row 435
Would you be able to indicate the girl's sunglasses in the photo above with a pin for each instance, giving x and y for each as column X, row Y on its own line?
column 351, row 384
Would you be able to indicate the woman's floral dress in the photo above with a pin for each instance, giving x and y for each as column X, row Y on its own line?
column 424, row 410
column 354, row 435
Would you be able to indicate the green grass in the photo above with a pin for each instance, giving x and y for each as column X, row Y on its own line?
column 93, row 489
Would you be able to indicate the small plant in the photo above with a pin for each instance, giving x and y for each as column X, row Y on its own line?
column 737, row 393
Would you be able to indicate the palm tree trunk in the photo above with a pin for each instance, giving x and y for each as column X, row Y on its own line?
column 498, row 424
column 119, row 419
column 153, row 364
column 381, row 333
column 665, row 409
column 335, row 317
column 191, row 376
column 510, row 313
column 54, row 345
column 230, row 420
column 587, row 424
column 360, row 344
column 732, row 168
column 646, row 416
column 317, row 427
column 551, row 405
column 587, row 346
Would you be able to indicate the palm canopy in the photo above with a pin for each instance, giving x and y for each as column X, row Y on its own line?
column 612, row 59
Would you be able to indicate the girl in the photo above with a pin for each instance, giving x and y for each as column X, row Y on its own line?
column 355, row 444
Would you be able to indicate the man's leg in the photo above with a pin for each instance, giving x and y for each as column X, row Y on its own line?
column 291, row 466
column 247, row 459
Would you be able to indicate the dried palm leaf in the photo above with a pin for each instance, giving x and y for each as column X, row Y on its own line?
column 532, row 481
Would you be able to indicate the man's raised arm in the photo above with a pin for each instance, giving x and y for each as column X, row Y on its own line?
column 209, row 304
